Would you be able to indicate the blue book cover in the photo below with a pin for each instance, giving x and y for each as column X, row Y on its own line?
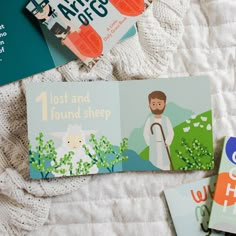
column 26, row 48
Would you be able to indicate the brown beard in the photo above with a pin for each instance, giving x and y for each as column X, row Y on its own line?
column 157, row 111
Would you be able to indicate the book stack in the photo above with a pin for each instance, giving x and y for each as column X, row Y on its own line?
column 208, row 205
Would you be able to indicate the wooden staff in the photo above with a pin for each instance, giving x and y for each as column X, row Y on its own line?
column 164, row 138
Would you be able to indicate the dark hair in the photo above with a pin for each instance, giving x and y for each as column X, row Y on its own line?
column 58, row 29
column 157, row 94
column 51, row 11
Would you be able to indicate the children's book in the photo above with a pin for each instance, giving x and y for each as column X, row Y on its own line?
column 223, row 213
column 190, row 207
column 101, row 127
column 26, row 48
column 88, row 28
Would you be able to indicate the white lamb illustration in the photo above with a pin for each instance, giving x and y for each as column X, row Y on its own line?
column 73, row 140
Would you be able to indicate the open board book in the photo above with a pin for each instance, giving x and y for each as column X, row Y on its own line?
column 89, row 28
column 103, row 127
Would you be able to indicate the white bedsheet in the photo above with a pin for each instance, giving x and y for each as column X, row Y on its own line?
column 133, row 203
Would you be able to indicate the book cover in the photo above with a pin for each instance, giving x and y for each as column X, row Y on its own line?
column 26, row 48
column 103, row 127
column 224, row 204
column 190, row 207
column 88, row 28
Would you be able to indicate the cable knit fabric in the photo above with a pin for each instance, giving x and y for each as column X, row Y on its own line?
column 25, row 203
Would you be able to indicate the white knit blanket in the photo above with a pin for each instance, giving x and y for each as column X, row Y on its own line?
column 124, row 203
column 133, row 203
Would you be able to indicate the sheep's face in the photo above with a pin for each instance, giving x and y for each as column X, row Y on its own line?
column 74, row 141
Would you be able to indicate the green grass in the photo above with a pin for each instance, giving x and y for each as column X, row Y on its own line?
column 199, row 133
column 145, row 154
column 202, row 157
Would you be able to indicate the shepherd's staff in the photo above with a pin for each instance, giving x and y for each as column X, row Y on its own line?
column 164, row 138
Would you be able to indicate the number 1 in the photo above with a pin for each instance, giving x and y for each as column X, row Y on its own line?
column 43, row 98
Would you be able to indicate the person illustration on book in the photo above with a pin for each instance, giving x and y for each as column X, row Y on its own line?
column 83, row 41
column 44, row 12
column 158, row 132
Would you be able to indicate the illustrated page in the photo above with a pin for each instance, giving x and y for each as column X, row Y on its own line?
column 168, row 122
column 102, row 127
column 74, row 129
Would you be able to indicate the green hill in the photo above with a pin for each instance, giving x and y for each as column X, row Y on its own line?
column 192, row 147
column 177, row 114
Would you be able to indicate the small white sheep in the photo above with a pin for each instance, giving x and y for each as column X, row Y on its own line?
column 209, row 127
column 203, row 118
column 73, row 140
column 186, row 129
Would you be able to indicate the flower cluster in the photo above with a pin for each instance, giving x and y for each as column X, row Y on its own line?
column 44, row 159
column 83, row 167
column 195, row 157
column 105, row 154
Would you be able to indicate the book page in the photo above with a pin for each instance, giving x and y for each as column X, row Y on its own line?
column 69, row 120
column 167, row 122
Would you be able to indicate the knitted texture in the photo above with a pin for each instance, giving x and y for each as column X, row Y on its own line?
column 24, row 203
